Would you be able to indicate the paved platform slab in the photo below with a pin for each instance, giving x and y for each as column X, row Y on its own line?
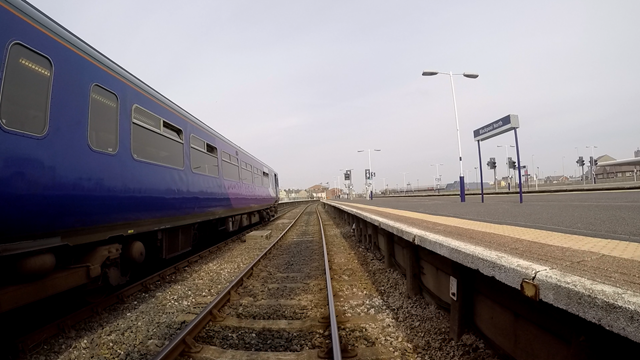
column 597, row 279
column 607, row 215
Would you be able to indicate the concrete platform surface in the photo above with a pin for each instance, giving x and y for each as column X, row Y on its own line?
column 594, row 278
column 607, row 215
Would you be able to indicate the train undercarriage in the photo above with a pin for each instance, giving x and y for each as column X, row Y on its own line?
column 99, row 265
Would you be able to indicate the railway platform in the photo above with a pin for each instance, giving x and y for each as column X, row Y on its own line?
column 521, row 287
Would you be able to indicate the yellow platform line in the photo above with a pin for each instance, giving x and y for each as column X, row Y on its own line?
column 617, row 248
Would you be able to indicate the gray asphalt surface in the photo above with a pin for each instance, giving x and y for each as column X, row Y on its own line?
column 609, row 215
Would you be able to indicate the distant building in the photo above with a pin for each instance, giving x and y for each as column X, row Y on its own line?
column 334, row 193
column 290, row 194
column 468, row 186
column 622, row 173
column 318, row 192
column 476, row 185
column 556, row 179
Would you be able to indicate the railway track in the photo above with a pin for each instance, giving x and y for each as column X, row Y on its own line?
column 282, row 306
column 32, row 341
column 270, row 299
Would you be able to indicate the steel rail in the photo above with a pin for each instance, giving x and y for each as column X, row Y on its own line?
column 185, row 337
column 335, row 338
column 28, row 341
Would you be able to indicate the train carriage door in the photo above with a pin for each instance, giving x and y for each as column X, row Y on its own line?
column 275, row 176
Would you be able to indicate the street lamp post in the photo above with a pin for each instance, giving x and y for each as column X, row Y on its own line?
column 475, row 167
column 455, row 110
column 533, row 168
column 404, row 182
column 371, row 182
column 436, row 186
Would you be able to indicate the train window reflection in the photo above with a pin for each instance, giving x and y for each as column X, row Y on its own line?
column 162, row 144
column 230, row 167
column 103, row 120
column 26, row 91
column 203, row 162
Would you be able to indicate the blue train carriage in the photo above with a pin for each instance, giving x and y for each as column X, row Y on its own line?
column 99, row 173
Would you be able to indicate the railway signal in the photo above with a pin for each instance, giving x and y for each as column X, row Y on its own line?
column 511, row 164
column 493, row 165
column 592, row 166
column 580, row 163
column 367, row 174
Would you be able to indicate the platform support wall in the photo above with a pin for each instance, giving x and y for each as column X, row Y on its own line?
column 411, row 270
column 374, row 237
column 518, row 326
column 388, row 248
column 460, row 307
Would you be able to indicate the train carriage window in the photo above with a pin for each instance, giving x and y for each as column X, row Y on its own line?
column 103, row 120
column 247, row 176
column 145, row 117
column 155, row 139
column 197, row 143
column 230, row 167
column 265, row 179
column 171, row 130
column 204, row 157
column 26, row 91
column 257, row 174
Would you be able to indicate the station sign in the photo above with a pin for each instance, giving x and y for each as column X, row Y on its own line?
column 496, row 128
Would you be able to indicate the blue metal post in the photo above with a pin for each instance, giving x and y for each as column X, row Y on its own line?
column 515, row 132
column 462, row 197
column 481, row 179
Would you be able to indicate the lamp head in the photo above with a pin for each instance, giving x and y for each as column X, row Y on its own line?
column 429, row 73
column 470, row 75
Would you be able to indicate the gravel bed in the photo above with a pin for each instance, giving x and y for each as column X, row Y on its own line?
column 274, row 278
column 272, row 312
column 409, row 328
column 356, row 336
column 139, row 328
column 290, row 292
column 232, row 338
column 293, row 271
column 294, row 256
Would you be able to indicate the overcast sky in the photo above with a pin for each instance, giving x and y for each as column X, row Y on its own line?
column 303, row 85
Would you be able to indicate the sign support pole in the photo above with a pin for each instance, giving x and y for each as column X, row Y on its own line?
column 515, row 132
column 481, row 180
column 493, row 129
